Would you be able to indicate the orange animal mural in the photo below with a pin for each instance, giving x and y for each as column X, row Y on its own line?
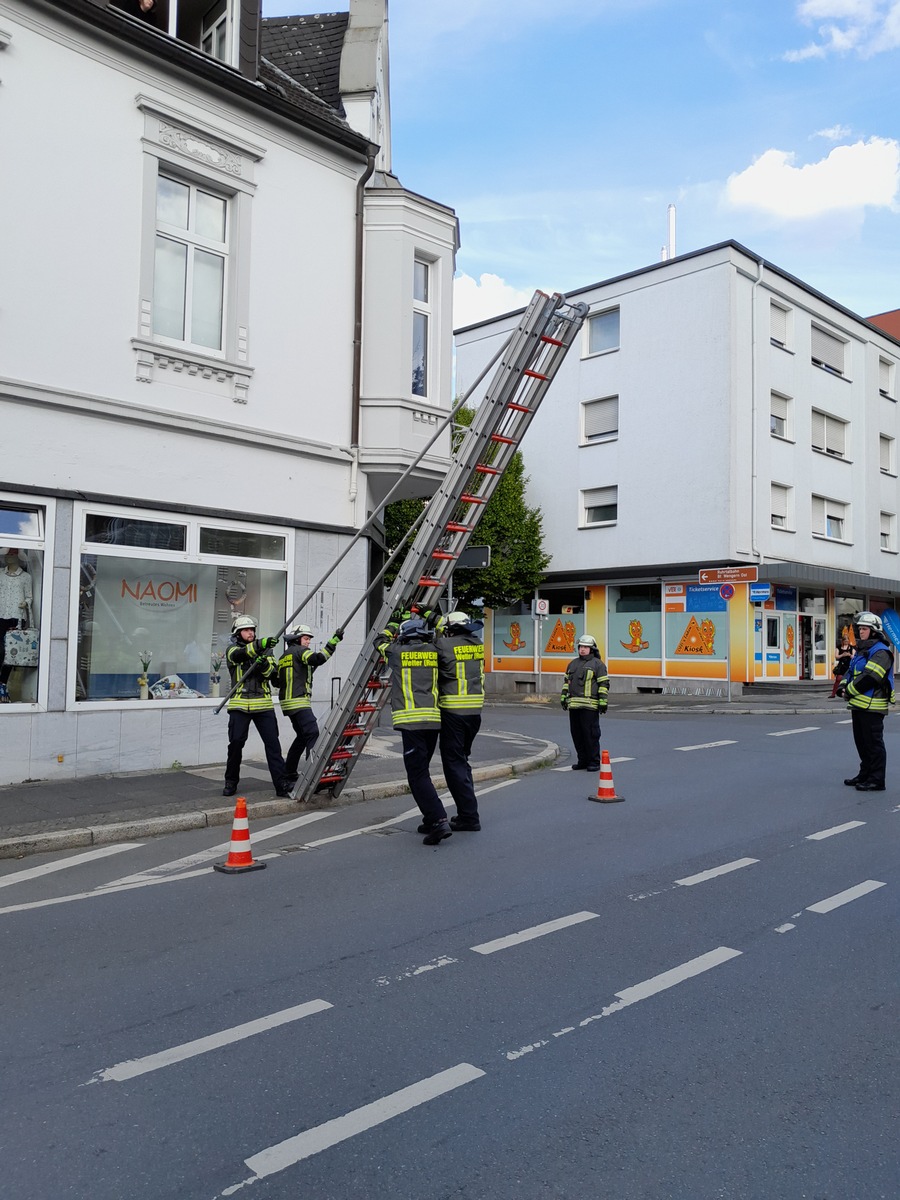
column 789, row 642
column 636, row 631
column 698, row 639
column 515, row 633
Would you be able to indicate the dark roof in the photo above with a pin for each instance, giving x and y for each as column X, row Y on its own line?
column 309, row 50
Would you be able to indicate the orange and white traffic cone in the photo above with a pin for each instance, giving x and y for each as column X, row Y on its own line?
column 239, row 856
column 606, row 789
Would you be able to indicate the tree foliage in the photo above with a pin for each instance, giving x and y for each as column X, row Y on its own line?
column 512, row 529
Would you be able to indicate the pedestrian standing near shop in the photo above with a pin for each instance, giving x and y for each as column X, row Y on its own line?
column 251, row 666
column 411, row 655
column 585, row 694
column 869, row 689
column 294, row 680
column 460, row 651
column 841, row 663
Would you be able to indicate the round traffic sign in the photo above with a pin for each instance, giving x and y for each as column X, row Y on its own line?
column 726, row 591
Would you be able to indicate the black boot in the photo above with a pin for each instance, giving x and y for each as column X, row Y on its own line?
column 437, row 833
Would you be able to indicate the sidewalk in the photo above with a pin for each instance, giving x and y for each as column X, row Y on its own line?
column 44, row 816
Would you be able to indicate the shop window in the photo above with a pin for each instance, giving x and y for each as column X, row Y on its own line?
column 157, row 598
column 22, row 647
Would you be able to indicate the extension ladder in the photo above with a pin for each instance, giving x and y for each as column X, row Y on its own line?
column 529, row 361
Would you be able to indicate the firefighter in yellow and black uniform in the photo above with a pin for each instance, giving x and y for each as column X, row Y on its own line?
column 294, row 680
column 251, row 666
column 585, row 694
column 868, row 687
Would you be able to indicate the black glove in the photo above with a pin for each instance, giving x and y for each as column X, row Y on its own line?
column 564, row 701
column 338, row 635
column 268, row 643
column 602, row 709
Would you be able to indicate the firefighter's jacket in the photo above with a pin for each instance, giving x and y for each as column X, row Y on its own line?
column 414, row 681
column 587, row 683
column 253, row 693
column 294, row 677
column 461, row 670
column 870, row 676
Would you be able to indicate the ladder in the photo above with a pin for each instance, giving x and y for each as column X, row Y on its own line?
column 527, row 365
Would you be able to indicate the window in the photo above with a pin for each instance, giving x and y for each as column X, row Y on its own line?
column 202, row 24
column 886, row 454
column 172, row 589
column 827, row 351
column 780, row 499
column 23, row 529
column 778, row 325
column 779, row 414
column 886, row 378
column 421, row 324
column 829, row 518
column 603, row 332
column 600, row 418
column 888, row 532
column 828, row 434
column 189, row 265
column 600, row 506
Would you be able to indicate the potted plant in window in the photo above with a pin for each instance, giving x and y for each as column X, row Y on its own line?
column 146, row 657
column 215, row 663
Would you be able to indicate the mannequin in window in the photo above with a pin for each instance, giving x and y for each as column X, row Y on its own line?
column 16, row 595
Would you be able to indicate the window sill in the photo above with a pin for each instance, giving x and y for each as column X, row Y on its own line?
column 886, row 550
column 783, row 529
column 599, row 525
column 832, row 457
column 781, row 437
column 156, row 362
column 600, row 440
column 830, row 371
column 823, row 537
column 780, row 346
column 601, row 353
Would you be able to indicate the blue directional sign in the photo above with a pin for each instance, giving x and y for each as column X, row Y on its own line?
column 759, row 591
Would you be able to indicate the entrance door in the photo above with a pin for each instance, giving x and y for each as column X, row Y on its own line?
column 776, row 645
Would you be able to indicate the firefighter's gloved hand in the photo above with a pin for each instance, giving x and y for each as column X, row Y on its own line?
column 564, row 701
column 338, row 635
column 399, row 615
column 601, row 709
column 268, row 643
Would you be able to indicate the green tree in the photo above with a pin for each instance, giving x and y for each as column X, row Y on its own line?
column 512, row 529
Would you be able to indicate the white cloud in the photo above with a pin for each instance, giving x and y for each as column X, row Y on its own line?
column 849, row 177
column 488, row 296
column 836, row 133
column 865, row 26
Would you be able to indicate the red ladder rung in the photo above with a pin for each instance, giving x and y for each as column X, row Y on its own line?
column 429, row 582
column 340, row 754
column 455, row 527
column 467, row 499
column 443, row 554
column 534, row 374
column 518, row 407
column 354, row 731
column 499, row 437
column 366, row 708
column 375, row 684
column 327, row 780
column 486, row 470
column 545, row 337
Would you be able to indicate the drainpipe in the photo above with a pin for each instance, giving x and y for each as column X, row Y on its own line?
column 754, row 436
column 356, row 382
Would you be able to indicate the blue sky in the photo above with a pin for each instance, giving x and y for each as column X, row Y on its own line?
column 560, row 131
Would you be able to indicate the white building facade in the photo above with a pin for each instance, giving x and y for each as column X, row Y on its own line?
column 721, row 419
column 225, row 332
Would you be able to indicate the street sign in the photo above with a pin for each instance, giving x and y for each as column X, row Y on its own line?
column 541, row 608
column 729, row 574
column 726, row 591
column 760, row 591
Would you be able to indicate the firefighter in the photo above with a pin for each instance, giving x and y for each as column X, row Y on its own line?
column 460, row 651
column 413, row 662
column 868, row 686
column 251, row 666
column 585, row 694
column 294, row 680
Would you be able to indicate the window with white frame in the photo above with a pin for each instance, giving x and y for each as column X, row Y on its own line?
column 886, row 460
column 600, row 419
column 208, row 25
column 886, row 378
column 827, row 350
column 779, row 324
column 829, row 434
column 830, row 518
column 24, row 636
column 779, row 416
column 195, row 253
column 889, row 531
column 603, row 332
column 157, row 595
column 600, row 506
column 190, row 259
column 421, row 325
column 781, row 496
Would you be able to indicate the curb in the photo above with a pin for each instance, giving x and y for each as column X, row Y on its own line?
column 118, row 831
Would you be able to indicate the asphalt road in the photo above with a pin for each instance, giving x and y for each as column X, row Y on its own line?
column 692, row 994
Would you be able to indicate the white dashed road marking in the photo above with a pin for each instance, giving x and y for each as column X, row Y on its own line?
column 827, row 833
column 854, row 893
column 536, row 931
column 690, row 880
column 707, row 745
column 75, row 861
column 788, row 732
